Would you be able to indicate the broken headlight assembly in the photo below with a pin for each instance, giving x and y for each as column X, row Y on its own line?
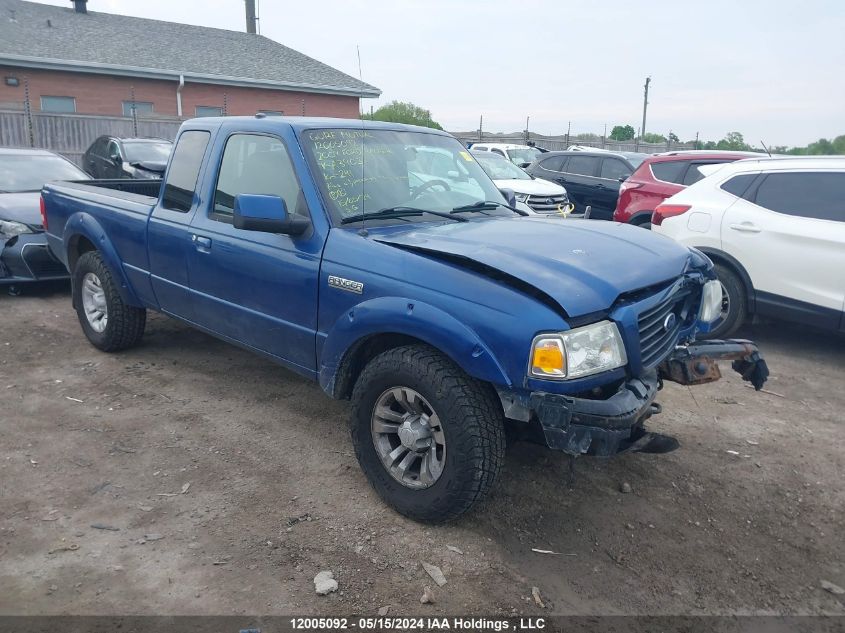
column 581, row 352
column 12, row 229
column 711, row 301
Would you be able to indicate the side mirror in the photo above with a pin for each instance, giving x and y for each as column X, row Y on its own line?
column 116, row 159
column 524, row 165
column 509, row 196
column 266, row 213
column 623, row 178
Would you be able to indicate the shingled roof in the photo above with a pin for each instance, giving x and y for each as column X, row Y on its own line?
column 43, row 36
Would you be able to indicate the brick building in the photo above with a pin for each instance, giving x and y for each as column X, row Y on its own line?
column 70, row 60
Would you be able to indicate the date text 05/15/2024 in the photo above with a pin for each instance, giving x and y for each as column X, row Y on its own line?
column 419, row 624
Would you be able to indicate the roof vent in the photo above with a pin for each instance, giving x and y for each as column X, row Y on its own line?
column 79, row 6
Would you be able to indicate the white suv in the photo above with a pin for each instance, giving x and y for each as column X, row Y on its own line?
column 520, row 155
column 775, row 228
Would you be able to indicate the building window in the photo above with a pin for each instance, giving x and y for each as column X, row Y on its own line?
column 58, row 104
column 142, row 108
column 209, row 111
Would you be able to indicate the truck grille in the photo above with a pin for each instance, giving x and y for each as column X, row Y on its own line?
column 659, row 325
column 547, row 204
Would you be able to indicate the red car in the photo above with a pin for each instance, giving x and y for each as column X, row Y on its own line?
column 661, row 176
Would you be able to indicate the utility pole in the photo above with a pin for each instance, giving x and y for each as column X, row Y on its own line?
column 604, row 136
column 481, row 128
column 568, row 130
column 645, row 105
column 527, row 135
column 250, row 16
column 696, row 140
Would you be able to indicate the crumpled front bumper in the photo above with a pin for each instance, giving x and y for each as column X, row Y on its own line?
column 26, row 258
column 613, row 425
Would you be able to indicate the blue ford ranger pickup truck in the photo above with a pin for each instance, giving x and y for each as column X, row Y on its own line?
column 379, row 260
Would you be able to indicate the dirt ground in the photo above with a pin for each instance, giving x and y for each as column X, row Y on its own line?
column 226, row 483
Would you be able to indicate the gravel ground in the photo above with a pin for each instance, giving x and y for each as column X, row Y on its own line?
column 189, row 477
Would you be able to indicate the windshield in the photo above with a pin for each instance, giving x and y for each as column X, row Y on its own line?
column 523, row 155
column 140, row 152
column 499, row 168
column 366, row 171
column 29, row 172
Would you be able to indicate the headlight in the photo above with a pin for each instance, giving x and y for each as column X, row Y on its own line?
column 577, row 353
column 711, row 301
column 522, row 197
column 11, row 229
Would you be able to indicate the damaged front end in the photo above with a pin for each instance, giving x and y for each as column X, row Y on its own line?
column 615, row 423
column 695, row 364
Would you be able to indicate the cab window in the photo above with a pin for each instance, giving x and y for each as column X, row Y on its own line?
column 255, row 164
column 181, row 180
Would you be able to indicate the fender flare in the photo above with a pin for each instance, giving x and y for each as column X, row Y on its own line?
column 722, row 257
column 83, row 224
column 408, row 317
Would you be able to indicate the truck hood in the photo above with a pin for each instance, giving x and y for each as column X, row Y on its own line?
column 21, row 207
column 582, row 265
column 536, row 187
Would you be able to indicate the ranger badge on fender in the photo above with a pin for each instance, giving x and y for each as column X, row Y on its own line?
column 346, row 284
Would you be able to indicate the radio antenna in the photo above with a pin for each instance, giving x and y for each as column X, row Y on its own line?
column 363, row 231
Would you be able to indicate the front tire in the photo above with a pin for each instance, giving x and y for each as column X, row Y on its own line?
column 109, row 324
column 734, row 303
column 429, row 438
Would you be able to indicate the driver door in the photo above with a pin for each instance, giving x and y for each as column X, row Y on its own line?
column 255, row 288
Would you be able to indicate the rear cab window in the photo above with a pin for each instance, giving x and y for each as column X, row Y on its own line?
column 181, row 182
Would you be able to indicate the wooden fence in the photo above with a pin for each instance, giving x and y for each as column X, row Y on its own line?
column 71, row 134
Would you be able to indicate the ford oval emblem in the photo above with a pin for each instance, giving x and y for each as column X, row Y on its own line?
column 669, row 322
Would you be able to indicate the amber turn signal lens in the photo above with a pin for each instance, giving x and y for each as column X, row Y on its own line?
column 547, row 358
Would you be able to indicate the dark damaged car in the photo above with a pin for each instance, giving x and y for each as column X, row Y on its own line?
column 442, row 312
column 24, row 256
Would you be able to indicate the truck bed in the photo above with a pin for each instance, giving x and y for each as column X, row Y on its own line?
column 144, row 188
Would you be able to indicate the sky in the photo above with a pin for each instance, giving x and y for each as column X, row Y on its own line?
column 773, row 70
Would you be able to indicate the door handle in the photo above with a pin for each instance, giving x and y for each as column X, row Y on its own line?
column 202, row 243
column 746, row 227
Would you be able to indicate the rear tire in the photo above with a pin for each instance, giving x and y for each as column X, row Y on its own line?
column 109, row 324
column 734, row 303
column 467, row 437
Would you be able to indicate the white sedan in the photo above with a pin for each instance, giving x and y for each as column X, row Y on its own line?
column 775, row 228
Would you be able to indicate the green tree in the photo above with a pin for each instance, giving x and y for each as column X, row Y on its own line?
column 822, row 147
column 674, row 137
column 651, row 137
column 622, row 133
column 733, row 141
column 404, row 112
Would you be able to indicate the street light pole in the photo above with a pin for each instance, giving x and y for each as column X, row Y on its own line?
column 645, row 105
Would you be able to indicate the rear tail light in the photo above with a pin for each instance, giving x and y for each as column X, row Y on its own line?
column 664, row 211
column 43, row 213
